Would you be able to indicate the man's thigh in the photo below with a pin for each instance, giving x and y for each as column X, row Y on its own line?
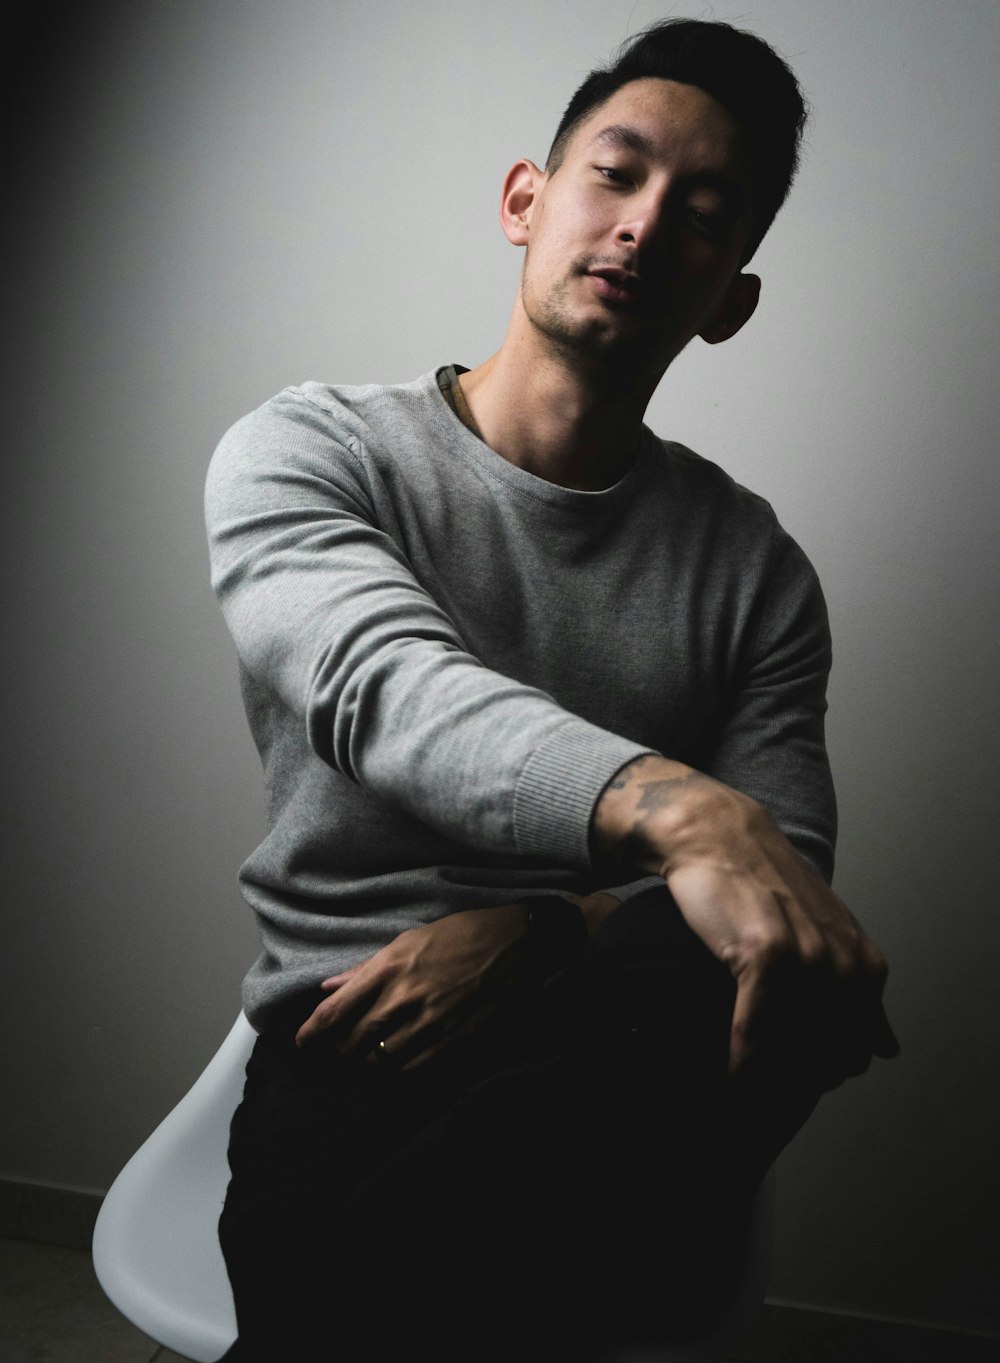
column 565, row 1170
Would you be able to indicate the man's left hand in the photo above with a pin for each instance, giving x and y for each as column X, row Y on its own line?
column 431, row 984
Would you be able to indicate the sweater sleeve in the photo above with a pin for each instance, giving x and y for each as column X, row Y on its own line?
column 328, row 616
column 771, row 744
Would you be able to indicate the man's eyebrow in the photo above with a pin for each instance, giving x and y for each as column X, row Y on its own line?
column 626, row 138
column 727, row 185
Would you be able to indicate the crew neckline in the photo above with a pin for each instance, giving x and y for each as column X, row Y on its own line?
column 531, row 485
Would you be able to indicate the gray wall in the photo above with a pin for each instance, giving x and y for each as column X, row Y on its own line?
column 216, row 199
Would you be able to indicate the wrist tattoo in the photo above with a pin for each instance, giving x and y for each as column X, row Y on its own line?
column 627, row 774
column 659, row 794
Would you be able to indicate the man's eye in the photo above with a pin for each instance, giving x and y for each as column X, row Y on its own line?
column 617, row 177
column 710, row 223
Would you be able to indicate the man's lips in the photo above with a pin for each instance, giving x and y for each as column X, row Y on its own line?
column 617, row 285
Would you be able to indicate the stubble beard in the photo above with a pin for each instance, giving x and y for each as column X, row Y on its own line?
column 590, row 343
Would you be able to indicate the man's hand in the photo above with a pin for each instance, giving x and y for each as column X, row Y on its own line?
column 430, row 985
column 809, row 979
column 433, row 983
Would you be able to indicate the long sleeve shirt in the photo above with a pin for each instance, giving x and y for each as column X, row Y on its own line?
column 444, row 659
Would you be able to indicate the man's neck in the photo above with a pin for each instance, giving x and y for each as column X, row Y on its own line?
column 549, row 417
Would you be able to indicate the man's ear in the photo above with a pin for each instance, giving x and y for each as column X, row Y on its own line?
column 520, row 190
column 735, row 311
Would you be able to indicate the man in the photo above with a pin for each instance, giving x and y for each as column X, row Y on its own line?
column 502, row 650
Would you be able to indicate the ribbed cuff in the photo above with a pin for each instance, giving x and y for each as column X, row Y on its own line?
column 626, row 892
column 559, row 786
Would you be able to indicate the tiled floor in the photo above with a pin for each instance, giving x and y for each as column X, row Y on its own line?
column 52, row 1310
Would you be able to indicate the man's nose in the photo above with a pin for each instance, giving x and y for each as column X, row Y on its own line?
column 649, row 221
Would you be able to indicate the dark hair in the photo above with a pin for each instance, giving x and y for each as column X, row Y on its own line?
column 738, row 69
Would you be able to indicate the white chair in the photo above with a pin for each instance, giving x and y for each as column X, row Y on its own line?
column 157, row 1256
column 156, row 1251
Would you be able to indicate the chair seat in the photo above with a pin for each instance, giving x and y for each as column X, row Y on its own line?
column 156, row 1252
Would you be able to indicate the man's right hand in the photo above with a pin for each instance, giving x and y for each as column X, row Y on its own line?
column 809, row 980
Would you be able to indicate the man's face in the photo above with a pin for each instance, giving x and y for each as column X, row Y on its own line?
column 634, row 242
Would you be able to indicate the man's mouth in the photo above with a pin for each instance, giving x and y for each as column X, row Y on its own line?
column 615, row 284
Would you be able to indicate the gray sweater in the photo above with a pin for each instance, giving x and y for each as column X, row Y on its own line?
column 444, row 659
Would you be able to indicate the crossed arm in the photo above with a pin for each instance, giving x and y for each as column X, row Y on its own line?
column 332, row 619
column 809, row 980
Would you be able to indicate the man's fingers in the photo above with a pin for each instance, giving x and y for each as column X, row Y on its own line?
column 815, row 1017
column 429, row 1040
column 318, row 1020
column 334, row 1011
column 413, row 1038
column 347, row 998
column 750, row 998
column 886, row 1044
column 335, row 981
column 392, row 1045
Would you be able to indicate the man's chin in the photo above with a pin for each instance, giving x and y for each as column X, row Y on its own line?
column 634, row 348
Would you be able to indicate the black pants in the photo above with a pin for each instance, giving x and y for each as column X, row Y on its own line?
column 574, row 1180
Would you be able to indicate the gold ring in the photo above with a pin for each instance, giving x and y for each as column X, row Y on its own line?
column 381, row 1052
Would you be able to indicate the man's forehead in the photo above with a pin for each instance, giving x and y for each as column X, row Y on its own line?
column 644, row 116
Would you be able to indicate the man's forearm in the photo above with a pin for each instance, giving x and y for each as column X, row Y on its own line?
column 653, row 809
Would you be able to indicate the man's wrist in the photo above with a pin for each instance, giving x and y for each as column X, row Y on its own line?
column 642, row 811
column 657, row 814
column 556, row 933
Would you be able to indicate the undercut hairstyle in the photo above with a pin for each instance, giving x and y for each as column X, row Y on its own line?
column 738, row 69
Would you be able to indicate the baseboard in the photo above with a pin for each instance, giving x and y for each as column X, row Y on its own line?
column 52, row 1216
column 805, row 1334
